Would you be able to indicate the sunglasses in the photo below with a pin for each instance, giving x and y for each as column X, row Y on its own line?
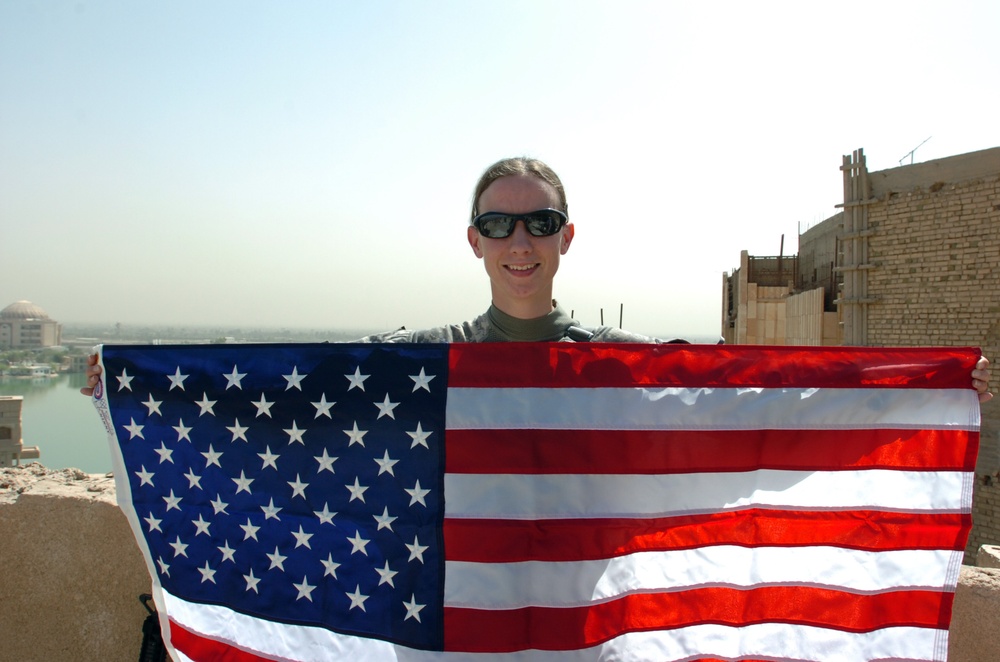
column 541, row 223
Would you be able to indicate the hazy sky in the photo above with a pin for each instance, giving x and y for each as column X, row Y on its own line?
column 311, row 164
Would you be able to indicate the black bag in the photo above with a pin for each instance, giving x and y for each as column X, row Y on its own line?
column 153, row 649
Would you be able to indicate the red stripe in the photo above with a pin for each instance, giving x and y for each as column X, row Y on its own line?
column 580, row 365
column 688, row 451
column 547, row 628
column 507, row 541
column 198, row 647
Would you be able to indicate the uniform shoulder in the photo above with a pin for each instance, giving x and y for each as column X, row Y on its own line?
column 474, row 330
column 612, row 334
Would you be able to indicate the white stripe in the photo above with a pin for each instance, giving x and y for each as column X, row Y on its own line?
column 581, row 583
column 573, row 496
column 766, row 640
column 709, row 409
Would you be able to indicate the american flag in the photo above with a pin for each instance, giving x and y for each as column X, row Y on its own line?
column 553, row 501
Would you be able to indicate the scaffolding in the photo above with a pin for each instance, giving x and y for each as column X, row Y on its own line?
column 852, row 255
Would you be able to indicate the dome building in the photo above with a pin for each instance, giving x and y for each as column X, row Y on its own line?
column 25, row 325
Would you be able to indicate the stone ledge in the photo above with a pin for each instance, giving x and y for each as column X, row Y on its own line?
column 72, row 570
column 988, row 556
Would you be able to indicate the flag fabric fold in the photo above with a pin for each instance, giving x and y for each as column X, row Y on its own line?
column 545, row 501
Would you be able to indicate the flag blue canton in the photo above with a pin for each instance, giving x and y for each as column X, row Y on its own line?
column 303, row 485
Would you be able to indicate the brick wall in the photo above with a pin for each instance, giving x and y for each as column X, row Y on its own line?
column 937, row 280
column 986, row 516
column 806, row 323
column 765, row 318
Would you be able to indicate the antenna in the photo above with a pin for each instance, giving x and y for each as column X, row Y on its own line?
column 910, row 153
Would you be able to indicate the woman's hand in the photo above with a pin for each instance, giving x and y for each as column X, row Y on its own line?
column 981, row 380
column 93, row 373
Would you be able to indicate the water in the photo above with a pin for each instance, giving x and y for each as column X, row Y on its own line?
column 61, row 422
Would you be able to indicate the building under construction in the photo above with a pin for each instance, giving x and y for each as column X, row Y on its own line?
column 912, row 259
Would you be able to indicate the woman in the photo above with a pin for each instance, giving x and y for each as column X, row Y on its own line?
column 520, row 229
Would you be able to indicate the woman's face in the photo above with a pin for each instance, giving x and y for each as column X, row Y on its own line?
column 521, row 267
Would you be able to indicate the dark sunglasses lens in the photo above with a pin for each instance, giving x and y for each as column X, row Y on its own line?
column 543, row 223
column 495, row 226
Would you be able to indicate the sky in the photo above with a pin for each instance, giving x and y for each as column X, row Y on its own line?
column 311, row 164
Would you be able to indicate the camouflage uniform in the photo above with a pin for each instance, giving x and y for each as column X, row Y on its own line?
column 496, row 326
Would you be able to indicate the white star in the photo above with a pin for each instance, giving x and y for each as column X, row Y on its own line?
column 252, row 582
column 234, row 378
column 239, row 432
column 302, row 538
column 357, row 600
column 206, row 405
column 304, row 589
column 277, row 560
column 179, row 547
column 385, row 464
column 207, row 574
column 357, row 491
column 201, row 525
column 358, row 543
column 422, row 381
column 177, row 379
column 419, row 437
column 154, row 524
column 182, row 430
column 357, row 379
column 269, row 458
column 385, row 408
column 384, row 520
column 330, row 565
column 386, row 575
column 164, row 568
column 125, row 381
column 212, row 457
column 145, row 477
column 164, row 453
column 325, row 462
column 193, row 480
column 271, row 511
column 325, row 516
column 294, row 379
column 228, row 553
column 412, row 608
column 243, row 483
column 323, row 407
column 417, row 495
column 295, row 434
column 416, row 550
column 172, row 501
column 134, row 429
column 298, row 487
column 263, row 407
column 219, row 506
column 152, row 405
column 357, row 436
column 249, row 530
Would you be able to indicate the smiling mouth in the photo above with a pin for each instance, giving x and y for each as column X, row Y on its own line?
column 521, row 268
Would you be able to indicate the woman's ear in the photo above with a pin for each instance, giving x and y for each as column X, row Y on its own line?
column 566, row 238
column 474, row 239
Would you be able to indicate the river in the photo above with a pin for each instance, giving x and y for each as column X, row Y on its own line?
column 61, row 422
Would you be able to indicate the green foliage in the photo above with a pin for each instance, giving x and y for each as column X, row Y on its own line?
column 50, row 356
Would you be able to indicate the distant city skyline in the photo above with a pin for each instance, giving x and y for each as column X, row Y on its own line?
column 311, row 166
